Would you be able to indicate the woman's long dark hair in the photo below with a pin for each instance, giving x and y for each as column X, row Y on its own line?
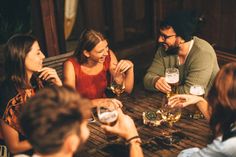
column 222, row 101
column 18, row 46
column 88, row 40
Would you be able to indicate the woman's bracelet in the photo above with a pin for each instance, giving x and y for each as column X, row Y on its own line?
column 138, row 140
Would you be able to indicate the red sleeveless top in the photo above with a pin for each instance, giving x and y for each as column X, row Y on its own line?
column 91, row 86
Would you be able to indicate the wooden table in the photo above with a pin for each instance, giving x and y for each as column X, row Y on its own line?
column 196, row 133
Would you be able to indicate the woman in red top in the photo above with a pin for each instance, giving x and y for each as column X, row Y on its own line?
column 93, row 61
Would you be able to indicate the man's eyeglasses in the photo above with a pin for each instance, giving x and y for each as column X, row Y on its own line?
column 165, row 37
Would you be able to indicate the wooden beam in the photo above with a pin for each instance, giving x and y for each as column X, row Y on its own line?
column 93, row 14
column 118, row 22
column 49, row 25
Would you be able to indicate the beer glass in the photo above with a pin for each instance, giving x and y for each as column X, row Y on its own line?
column 107, row 112
column 199, row 91
column 172, row 78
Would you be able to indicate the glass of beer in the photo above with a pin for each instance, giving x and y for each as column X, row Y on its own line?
column 117, row 84
column 172, row 78
column 199, row 91
column 107, row 112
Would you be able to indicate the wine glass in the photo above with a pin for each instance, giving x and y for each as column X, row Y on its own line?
column 172, row 78
column 197, row 90
column 107, row 112
column 117, row 84
column 170, row 115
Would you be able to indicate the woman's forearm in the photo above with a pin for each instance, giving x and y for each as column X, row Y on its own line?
column 203, row 107
column 129, row 80
column 19, row 147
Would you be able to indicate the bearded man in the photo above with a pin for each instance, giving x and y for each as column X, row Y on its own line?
column 179, row 48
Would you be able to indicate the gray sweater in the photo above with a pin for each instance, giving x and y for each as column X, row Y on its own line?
column 200, row 67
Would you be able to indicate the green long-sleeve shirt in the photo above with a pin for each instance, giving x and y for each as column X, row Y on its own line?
column 200, row 67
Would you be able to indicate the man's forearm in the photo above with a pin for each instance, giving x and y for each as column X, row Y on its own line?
column 150, row 81
column 135, row 150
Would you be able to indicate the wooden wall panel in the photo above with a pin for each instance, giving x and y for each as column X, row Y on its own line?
column 49, row 25
column 211, row 29
column 228, row 25
column 193, row 5
column 219, row 26
column 117, row 21
column 94, row 14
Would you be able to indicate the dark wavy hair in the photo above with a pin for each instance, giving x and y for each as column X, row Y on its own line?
column 51, row 115
column 18, row 46
column 184, row 23
column 88, row 40
column 222, row 101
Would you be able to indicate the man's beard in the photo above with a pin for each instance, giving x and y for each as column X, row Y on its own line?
column 172, row 50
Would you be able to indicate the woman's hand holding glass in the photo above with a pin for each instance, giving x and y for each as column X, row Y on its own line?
column 118, row 84
column 123, row 66
column 183, row 100
column 122, row 77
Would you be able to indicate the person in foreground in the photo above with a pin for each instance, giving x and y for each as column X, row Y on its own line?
column 90, row 70
column 125, row 128
column 23, row 58
column 221, row 111
column 193, row 57
column 55, row 121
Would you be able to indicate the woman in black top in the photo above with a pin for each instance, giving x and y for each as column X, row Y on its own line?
column 23, row 59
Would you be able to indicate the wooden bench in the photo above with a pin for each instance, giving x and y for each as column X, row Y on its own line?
column 57, row 62
column 224, row 57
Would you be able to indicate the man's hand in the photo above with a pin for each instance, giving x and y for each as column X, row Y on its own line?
column 162, row 85
column 124, row 126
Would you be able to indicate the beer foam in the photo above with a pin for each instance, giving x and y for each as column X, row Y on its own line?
column 197, row 90
column 108, row 117
column 172, row 78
